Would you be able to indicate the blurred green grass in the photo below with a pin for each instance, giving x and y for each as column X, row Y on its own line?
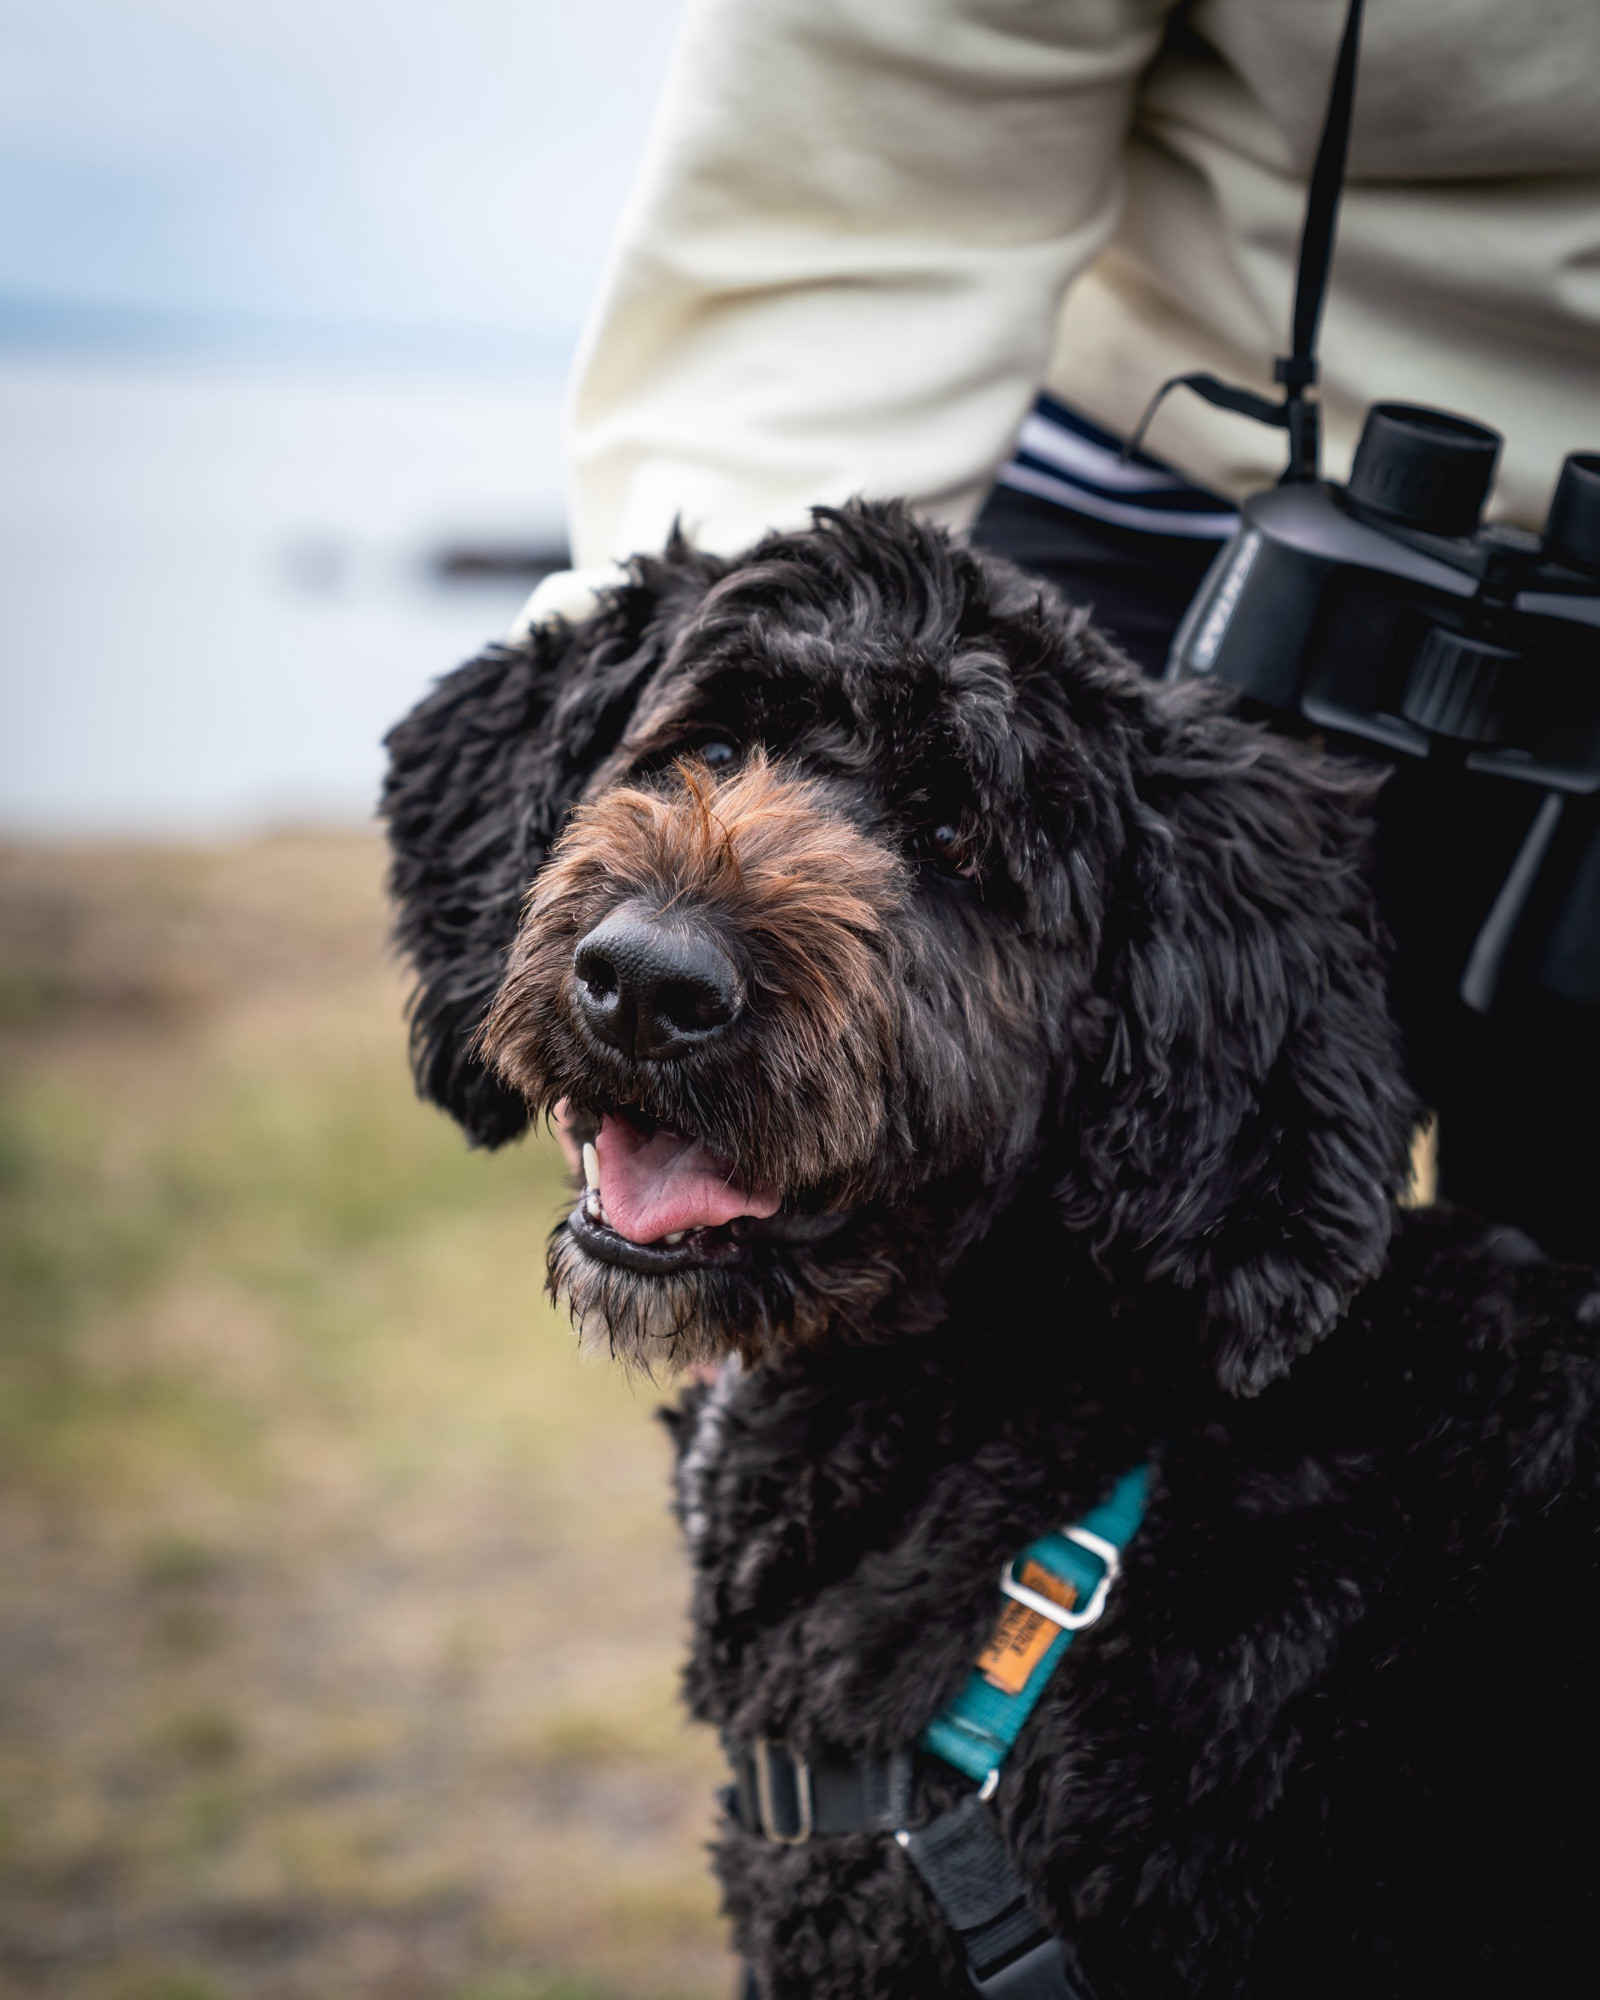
column 339, row 1605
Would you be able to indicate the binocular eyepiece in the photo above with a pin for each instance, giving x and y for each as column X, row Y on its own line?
column 1572, row 531
column 1432, row 470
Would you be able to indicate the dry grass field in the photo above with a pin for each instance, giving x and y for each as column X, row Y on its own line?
column 339, row 1604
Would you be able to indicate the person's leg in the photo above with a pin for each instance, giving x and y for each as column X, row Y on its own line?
column 1138, row 586
column 1516, row 1091
column 1117, row 531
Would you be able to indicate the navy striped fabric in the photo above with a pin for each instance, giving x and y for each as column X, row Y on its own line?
column 1063, row 458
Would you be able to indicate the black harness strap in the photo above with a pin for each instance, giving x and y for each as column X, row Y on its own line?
column 1010, row 1955
column 789, row 1798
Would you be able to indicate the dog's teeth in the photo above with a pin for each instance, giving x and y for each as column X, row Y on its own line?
column 676, row 1236
column 591, row 1167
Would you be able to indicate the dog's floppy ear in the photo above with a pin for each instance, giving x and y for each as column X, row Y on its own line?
column 1246, row 1130
column 481, row 775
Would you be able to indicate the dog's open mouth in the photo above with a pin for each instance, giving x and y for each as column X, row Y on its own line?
column 656, row 1201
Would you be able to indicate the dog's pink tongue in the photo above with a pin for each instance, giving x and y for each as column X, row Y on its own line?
column 655, row 1187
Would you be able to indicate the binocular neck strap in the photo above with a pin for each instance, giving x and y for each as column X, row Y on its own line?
column 1296, row 370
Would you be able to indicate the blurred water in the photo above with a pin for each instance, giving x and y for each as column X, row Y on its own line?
column 215, row 585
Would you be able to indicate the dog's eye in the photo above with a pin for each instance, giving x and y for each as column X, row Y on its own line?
column 717, row 754
column 952, row 848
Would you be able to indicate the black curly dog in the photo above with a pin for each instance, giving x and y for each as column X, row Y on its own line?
column 986, row 1047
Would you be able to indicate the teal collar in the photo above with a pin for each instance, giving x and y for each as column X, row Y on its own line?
column 1057, row 1584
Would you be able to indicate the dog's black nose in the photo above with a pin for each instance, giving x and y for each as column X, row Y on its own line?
column 655, row 988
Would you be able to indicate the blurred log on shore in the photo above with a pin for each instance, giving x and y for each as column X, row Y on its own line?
column 483, row 562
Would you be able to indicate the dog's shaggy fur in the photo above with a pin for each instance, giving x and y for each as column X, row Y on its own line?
column 1060, row 1047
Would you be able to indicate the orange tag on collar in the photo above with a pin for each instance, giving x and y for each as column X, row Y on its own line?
column 1023, row 1637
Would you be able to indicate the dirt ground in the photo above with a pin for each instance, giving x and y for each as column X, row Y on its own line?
column 339, row 1603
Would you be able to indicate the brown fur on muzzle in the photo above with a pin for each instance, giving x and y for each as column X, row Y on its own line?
column 797, row 1094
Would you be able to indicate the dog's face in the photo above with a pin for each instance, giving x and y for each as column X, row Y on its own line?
column 808, row 954
column 887, row 887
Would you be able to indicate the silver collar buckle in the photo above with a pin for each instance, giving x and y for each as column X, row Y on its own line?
column 1058, row 1614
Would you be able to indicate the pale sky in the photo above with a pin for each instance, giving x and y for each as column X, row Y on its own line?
column 440, row 163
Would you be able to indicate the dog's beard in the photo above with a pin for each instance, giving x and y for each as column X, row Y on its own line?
column 664, row 1323
column 880, row 1278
